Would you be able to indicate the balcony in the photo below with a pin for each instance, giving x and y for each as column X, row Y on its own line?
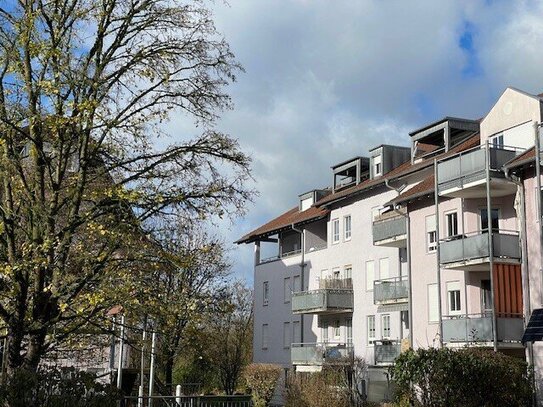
column 473, row 249
column 281, row 256
column 390, row 229
column 386, row 352
column 390, row 290
column 477, row 328
column 334, row 295
column 464, row 175
column 319, row 353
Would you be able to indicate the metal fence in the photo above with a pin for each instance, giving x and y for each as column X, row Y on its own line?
column 187, row 401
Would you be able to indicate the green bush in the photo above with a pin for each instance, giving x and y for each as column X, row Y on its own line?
column 51, row 387
column 261, row 379
column 470, row 377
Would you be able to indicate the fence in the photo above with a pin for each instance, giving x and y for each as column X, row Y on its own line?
column 187, row 401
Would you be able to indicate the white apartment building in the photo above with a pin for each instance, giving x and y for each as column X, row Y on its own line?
column 436, row 244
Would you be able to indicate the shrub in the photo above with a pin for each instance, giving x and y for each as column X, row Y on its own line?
column 51, row 387
column 320, row 389
column 470, row 377
column 261, row 379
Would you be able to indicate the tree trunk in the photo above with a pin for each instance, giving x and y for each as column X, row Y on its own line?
column 168, row 373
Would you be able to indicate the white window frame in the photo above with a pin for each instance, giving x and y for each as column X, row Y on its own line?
column 370, row 325
column 495, row 208
column 265, row 336
column 348, row 271
column 369, row 282
column 431, row 246
column 296, row 332
column 296, row 284
column 454, row 305
column 266, row 293
column 337, row 329
column 287, row 335
column 384, row 264
column 497, row 141
column 287, row 290
column 385, row 326
column 448, row 230
column 377, row 165
column 349, row 330
column 324, row 332
column 347, row 232
column 336, row 273
column 335, row 236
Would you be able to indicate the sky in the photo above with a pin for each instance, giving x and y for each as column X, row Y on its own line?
column 327, row 80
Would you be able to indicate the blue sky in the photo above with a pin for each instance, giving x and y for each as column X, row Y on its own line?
column 327, row 80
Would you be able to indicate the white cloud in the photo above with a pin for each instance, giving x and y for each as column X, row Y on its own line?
column 329, row 80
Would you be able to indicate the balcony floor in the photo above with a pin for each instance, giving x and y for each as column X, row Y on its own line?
column 480, row 264
column 396, row 241
column 477, row 189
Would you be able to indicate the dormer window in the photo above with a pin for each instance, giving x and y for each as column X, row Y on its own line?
column 377, row 166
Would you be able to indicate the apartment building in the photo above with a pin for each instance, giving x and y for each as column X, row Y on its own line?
column 436, row 244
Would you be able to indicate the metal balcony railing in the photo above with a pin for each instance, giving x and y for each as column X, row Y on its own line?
column 478, row 328
column 470, row 166
column 390, row 290
column 320, row 352
column 324, row 300
column 471, row 246
column 388, row 228
column 386, row 352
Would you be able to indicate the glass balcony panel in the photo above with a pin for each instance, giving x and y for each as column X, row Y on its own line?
column 386, row 352
column 478, row 328
column 322, row 301
column 463, row 248
column 390, row 290
column 389, row 228
column 320, row 352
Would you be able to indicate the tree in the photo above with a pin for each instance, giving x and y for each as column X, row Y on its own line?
column 230, row 337
column 189, row 282
column 84, row 86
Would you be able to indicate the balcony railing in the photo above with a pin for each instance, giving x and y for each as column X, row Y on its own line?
column 386, row 352
column 390, row 290
column 470, row 166
column 473, row 246
column 281, row 256
column 389, row 226
column 324, row 300
column 320, row 353
column 478, row 328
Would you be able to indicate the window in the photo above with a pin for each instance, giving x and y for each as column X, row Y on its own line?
column 377, row 165
column 347, row 227
column 383, row 269
column 431, row 235
column 266, row 292
column 495, row 214
column 324, row 331
column 286, row 289
column 451, row 221
column 385, row 326
column 265, row 336
column 336, row 273
column 287, row 335
column 453, row 295
column 335, row 231
column 337, row 329
column 349, row 330
column 296, row 287
column 297, row 333
column 433, row 305
column 371, row 328
column 497, row 141
column 486, row 297
column 370, row 275
column 348, row 272
column 404, row 317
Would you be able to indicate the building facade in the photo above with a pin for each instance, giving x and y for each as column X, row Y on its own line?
column 436, row 244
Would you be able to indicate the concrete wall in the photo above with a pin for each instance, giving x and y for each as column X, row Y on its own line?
column 512, row 109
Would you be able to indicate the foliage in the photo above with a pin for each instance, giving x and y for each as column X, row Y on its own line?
column 88, row 176
column 338, row 384
column 474, row 377
column 261, row 379
column 52, row 387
